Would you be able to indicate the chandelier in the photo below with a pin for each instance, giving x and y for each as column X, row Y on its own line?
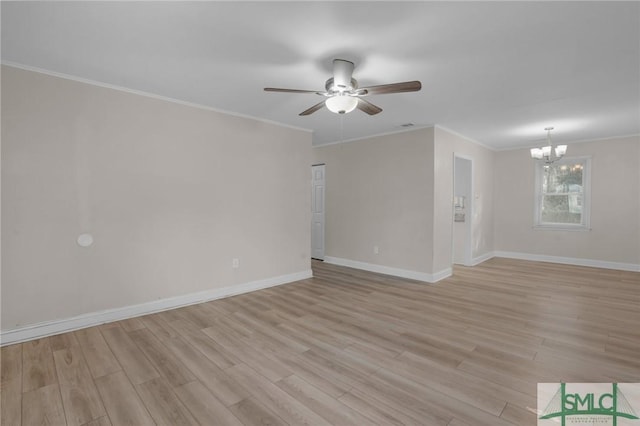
column 548, row 153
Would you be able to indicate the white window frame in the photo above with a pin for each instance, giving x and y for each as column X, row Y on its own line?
column 585, row 225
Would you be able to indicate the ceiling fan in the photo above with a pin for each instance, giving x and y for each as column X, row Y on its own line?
column 343, row 94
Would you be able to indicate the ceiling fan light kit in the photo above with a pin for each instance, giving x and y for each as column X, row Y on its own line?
column 343, row 94
column 341, row 104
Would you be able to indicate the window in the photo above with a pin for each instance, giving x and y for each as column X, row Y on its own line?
column 562, row 194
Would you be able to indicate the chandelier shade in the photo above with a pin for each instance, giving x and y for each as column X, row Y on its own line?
column 548, row 153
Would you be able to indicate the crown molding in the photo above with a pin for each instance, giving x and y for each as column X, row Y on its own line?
column 146, row 94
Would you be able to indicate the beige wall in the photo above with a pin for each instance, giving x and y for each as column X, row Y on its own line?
column 396, row 192
column 615, row 205
column 171, row 193
column 379, row 191
column 446, row 145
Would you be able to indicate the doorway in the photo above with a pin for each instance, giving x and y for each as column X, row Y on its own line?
column 462, row 210
column 317, row 211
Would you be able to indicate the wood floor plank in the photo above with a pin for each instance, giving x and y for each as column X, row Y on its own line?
column 257, row 321
column 97, row 353
column 370, row 353
column 131, row 324
column 519, row 416
column 220, row 307
column 284, row 405
column 344, row 367
column 245, row 350
column 11, row 385
column 121, row 401
column 458, row 422
column 252, row 413
column 11, row 363
column 216, row 380
column 229, row 326
column 163, row 405
column 326, row 406
column 158, row 326
column 284, row 305
column 38, row 369
column 11, row 402
column 102, row 421
column 43, row 406
column 450, row 382
column 205, row 344
column 63, row 341
column 438, row 402
column 379, row 412
column 194, row 316
column 503, row 378
column 138, row 368
column 205, row 407
column 80, row 397
column 418, row 407
column 310, row 330
column 314, row 376
column 164, row 361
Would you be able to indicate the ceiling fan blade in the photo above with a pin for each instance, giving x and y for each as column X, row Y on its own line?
column 368, row 107
column 383, row 89
column 342, row 73
column 313, row 109
column 275, row 89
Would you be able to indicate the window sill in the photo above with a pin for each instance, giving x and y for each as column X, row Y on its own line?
column 561, row 228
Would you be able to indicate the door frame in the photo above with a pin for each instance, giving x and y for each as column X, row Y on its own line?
column 324, row 209
column 469, row 207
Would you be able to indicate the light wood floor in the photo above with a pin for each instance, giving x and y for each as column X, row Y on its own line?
column 345, row 348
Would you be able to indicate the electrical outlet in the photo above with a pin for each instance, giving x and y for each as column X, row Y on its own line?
column 376, row 250
column 235, row 263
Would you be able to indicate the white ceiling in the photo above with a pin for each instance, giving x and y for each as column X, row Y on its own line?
column 496, row 72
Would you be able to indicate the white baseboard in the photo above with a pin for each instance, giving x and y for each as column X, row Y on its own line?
column 49, row 328
column 388, row 270
column 569, row 261
column 482, row 258
column 441, row 275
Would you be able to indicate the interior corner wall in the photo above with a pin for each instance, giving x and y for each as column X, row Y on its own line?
column 170, row 192
column 615, row 206
column 482, row 226
column 379, row 192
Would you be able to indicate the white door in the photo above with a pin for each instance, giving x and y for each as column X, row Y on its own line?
column 317, row 212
